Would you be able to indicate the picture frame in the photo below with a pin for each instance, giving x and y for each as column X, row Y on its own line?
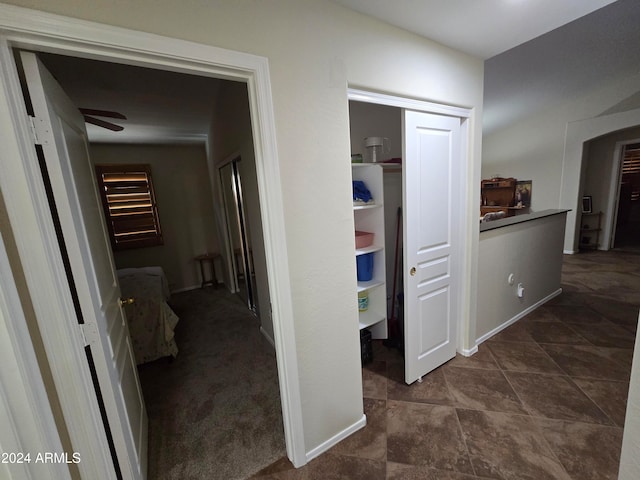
column 587, row 204
column 523, row 193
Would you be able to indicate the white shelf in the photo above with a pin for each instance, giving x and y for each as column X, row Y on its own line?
column 367, row 207
column 370, row 218
column 370, row 285
column 369, row 249
column 369, row 318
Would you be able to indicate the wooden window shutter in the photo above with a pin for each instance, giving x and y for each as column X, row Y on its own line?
column 129, row 205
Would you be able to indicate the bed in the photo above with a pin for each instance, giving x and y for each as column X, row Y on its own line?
column 151, row 320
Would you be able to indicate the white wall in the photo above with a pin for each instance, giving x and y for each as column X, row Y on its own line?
column 629, row 460
column 532, row 251
column 315, row 49
column 230, row 134
column 372, row 120
column 185, row 206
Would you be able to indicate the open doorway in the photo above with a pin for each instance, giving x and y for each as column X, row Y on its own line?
column 626, row 234
column 407, row 197
column 34, row 231
column 79, row 182
column 188, row 212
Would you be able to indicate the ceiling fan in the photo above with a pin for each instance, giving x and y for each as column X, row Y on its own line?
column 90, row 114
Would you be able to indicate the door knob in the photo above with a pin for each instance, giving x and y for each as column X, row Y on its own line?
column 412, row 272
column 126, row 301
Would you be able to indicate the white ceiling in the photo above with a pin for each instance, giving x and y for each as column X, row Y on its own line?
column 482, row 28
column 523, row 79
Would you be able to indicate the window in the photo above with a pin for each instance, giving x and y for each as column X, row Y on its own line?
column 129, row 205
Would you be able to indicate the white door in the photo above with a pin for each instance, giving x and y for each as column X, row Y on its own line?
column 61, row 133
column 432, row 209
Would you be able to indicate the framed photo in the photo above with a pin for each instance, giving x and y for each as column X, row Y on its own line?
column 523, row 193
column 586, row 204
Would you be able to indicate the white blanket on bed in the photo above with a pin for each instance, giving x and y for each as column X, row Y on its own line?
column 151, row 321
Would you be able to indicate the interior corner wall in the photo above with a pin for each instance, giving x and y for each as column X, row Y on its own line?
column 315, row 50
column 185, row 206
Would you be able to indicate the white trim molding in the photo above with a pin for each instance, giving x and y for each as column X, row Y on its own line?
column 517, row 317
column 337, row 438
column 28, row 425
column 32, row 226
column 467, row 352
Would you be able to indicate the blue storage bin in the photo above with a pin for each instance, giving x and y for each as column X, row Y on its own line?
column 364, row 264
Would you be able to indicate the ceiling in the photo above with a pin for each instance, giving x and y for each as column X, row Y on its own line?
column 564, row 64
column 160, row 106
column 530, row 63
column 482, row 28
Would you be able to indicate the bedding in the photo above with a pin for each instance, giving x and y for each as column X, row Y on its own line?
column 151, row 320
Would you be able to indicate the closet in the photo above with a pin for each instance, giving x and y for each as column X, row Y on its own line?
column 423, row 214
column 385, row 182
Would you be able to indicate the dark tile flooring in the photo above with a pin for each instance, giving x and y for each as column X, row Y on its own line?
column 543, row 399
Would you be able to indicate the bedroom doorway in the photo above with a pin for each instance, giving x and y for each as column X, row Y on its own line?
column 186, row 200
column 58, row 36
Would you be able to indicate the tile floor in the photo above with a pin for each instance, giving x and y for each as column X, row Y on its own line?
column 543, row 399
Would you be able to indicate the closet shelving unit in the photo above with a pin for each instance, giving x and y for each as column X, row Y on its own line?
column 370, row 218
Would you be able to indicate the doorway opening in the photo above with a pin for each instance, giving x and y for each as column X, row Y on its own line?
column 626, row 234
column 181, row 173
column 416, row 221
column 27, row 209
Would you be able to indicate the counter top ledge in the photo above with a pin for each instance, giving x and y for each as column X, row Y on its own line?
column 526, row 217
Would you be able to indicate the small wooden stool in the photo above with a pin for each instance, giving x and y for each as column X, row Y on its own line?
column 208, row 257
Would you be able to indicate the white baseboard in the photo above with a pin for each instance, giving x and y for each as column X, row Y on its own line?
column 467, row 352
column 517, row 317
column 268, row 337
column 323, row 447
column 569, row 252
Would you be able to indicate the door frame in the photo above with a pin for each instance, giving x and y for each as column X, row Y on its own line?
column 468, row 226
column 31, row 223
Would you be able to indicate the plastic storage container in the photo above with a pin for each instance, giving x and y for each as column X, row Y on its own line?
column 363, row 301
column 363, row 239
column 364, row 264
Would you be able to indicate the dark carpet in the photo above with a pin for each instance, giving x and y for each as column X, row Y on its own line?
column 214, row 412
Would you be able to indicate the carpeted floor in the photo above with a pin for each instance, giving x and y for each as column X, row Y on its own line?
column 214, row 412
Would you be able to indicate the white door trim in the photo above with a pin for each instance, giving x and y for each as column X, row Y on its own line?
column 28, row 425
column 31, row 222
column 468, row 225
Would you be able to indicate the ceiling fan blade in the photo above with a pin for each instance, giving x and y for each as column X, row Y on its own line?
column 103, row 124
column 102, row 113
